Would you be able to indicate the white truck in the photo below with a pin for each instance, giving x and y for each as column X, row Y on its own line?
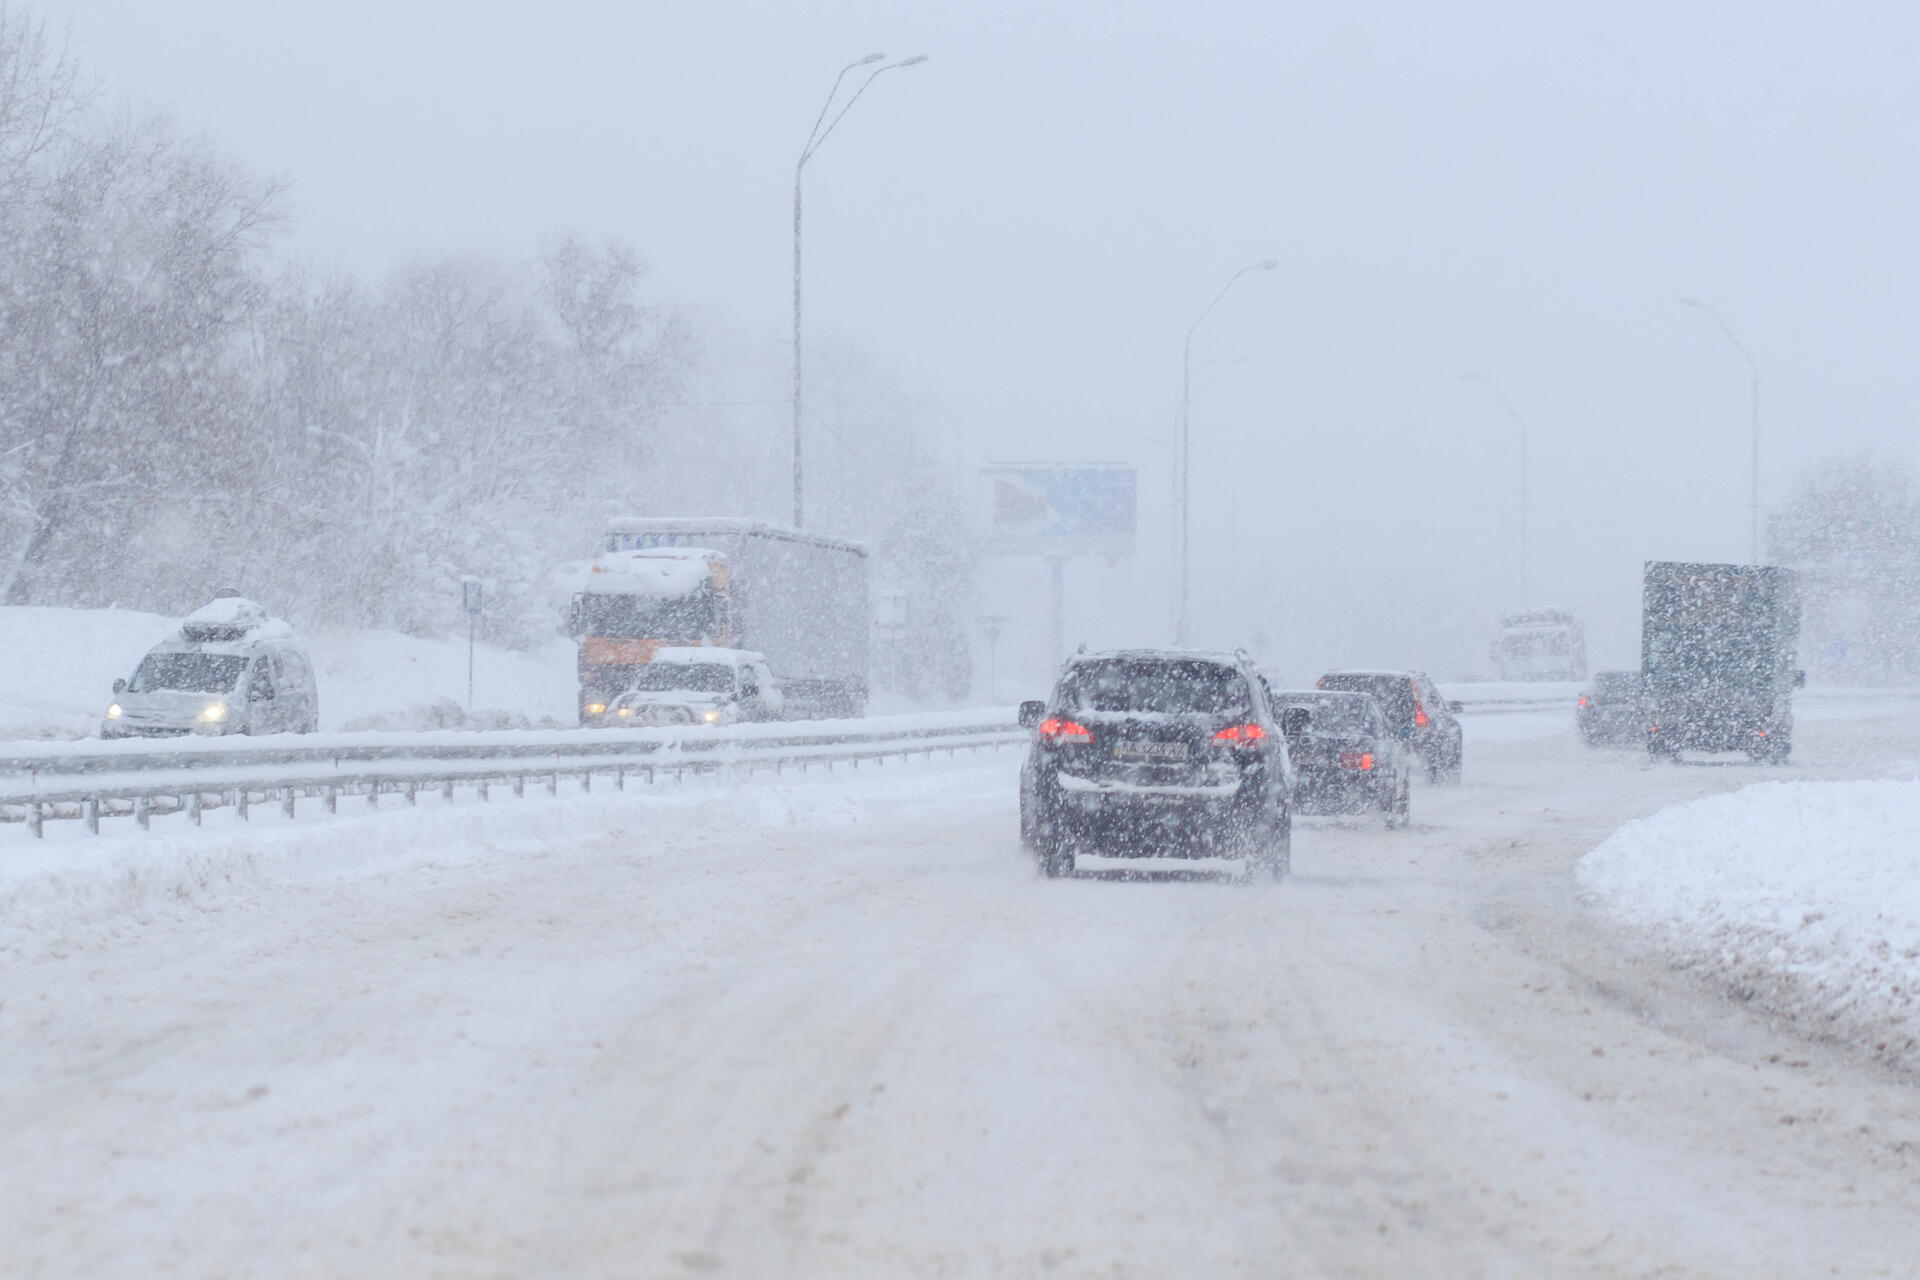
column 1540, row 644
column 796, row 599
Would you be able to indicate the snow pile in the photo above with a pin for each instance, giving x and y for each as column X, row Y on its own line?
column 657, row 572
column 1803, row 895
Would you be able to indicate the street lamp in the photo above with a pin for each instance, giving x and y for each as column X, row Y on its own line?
column 1181, row 558
column 1493, row 389
column 1753, row 470
column 814, row 140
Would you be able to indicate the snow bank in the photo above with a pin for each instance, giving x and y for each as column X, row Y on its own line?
column 1803, row 895
column 60, row 665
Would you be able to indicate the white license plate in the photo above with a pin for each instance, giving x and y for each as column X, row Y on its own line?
column 1150, row 750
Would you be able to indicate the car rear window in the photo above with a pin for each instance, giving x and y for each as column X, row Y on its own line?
column 1616, row 684
column 1336, row 715
column 1395, row 693
column 1167, row 687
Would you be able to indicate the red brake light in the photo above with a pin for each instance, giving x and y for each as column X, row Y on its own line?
column 1356, row 759
column 1240, row 734
column 1063, row 730
column 1419, row 716
column 1583, row 699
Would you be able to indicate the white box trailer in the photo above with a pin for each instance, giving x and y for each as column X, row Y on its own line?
column 797, row 597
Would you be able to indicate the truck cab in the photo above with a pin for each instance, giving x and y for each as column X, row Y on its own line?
column 693, row 686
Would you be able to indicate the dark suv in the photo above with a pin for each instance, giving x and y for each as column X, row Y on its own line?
column 1157, row 753
column 1416, row 711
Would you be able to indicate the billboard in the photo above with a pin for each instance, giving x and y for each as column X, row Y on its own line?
column 1058, row 509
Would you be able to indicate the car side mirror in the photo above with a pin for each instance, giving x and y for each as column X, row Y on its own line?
column 1032, row 713
column 1455, row 708
column 1799, row 679
column 1294, row 721
column 119, row 687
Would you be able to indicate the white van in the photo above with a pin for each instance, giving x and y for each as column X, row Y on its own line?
column 231, row 669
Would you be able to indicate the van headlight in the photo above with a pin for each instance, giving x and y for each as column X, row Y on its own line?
column 113, row 712
column 596, row 708
column 624, row 711
column 711, row 717
column 214, row 712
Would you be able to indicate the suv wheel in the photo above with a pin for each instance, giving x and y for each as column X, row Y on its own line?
column 1396, row 809
column 1272, row 858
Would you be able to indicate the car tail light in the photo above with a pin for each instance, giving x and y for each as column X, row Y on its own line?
column 1057, row 730
column 1356, row 759
column 1240, row 735
column 1583, row 699
column 1419, row 716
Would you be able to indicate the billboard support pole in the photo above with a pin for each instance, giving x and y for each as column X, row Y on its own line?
column 1057, row 571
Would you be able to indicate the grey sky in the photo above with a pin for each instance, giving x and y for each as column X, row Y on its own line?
column 1020, row 230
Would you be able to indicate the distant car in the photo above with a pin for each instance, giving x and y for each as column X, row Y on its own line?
column 1347, row 759
column 1612, row 711
column 695, row 685
column 230, row 669
column 1415, row 710
column 1157, row 753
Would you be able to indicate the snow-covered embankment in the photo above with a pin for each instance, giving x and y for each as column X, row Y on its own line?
column 1804, row 895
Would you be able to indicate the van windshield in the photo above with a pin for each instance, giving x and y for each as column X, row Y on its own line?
column 187, row 672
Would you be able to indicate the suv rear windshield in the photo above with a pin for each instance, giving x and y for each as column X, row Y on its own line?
column 1155, row 685
column 1617, row 684
column 1335, row 715
column 1395, row 693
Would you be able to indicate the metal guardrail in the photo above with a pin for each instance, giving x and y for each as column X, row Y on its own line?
column 89, row 786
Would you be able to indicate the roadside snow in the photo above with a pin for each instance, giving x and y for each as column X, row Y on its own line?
column 61, row 663
column 1803, row 895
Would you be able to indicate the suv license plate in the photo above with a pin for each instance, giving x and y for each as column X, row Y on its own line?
column 1150, row 750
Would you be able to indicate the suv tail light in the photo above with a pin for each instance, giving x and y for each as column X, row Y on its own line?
column 1583, row 699
column 1240, row 735
column 1419, row 716
column 1054, row 729
column 1356, row 759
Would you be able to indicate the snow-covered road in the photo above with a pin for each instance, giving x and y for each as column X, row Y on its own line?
column 833, row 1026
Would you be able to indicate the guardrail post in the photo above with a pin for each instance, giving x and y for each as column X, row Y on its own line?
column 140, row 813
column 373, row 796
column 553, row 783
column 481, row 788
column 586, row 782
column 91, row 811
column 240, row 797
column 619, row 779
column 413, row 793
column 330, row 796
column 36, row 822
column 446, row 791
column 286, row 802
column 519, row 786
column 193, row 808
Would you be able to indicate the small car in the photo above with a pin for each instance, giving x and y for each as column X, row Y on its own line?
column 695, row 685
column 230, row 669
column 1612, row 710
column 1425, row 721
column 1347, row 759
column 1147, row 753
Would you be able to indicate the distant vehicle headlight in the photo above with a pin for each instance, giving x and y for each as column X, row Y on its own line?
column 113, row 712
column 711, row 717
column 596, row 708
column 624, row 711
column 214, row 712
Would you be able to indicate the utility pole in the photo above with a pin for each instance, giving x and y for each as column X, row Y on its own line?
column 1182, row 560
column 1753, row 427
column 814, row 141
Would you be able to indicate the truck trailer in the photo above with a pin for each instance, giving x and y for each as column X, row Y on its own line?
column 796, row 597
column 1717, row 650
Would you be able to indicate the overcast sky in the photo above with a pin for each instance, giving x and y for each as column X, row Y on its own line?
column 1019, row 231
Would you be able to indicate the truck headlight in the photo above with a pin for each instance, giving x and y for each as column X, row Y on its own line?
column 214, row 712
column 113, row 712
